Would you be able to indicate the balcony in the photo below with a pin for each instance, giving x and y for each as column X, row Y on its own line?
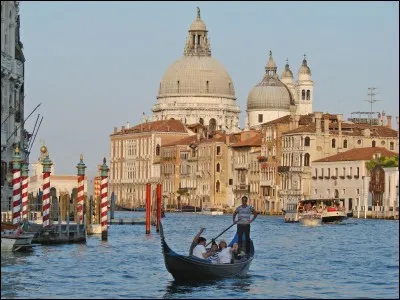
column 283, row 169
column 156, row 159
column 333, row 177
column 13, row 66
column 241, row 187
column 327, row 177
column 266, row 183
column 290, row 193
column 349, row 176
column 241, row 166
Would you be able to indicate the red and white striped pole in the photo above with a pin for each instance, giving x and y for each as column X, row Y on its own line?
column 16, row 182
column 104, row 200
column 81, row 176
column 46, row 163
column 24, row 194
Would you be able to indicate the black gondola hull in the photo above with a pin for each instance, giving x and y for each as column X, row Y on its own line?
column 189, row 268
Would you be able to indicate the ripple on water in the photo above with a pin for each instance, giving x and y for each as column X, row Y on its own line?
column 354, row 260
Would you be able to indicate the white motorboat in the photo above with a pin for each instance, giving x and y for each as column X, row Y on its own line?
column 328, row 210
column 213, row 211
column 14, row 239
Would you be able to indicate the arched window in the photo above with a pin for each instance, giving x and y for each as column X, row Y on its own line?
column 158, row 148
column 303, row 95
column 201, row 121
column 207, row 86
column 391, row 146
column 218, row 186
column 307, row 142
column 333, row 143
column 308, row 95
column 178, row 85
column 345, row 144
column 307, row 160
column 212, row 125
column 218, row 167
column 373, row 143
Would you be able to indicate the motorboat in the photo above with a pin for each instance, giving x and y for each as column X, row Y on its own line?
column 214, row 211
column 310, row 219
column 14, row 239
column 329, row 210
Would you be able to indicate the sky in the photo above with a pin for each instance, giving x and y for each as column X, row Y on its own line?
column 94, row 66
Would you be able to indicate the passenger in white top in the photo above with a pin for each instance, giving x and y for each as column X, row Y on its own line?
column 198, row 247
column 225, row 254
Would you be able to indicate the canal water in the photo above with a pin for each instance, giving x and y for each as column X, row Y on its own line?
column 357, row 259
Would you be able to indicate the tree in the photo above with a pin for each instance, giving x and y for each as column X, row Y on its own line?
column 385, row 162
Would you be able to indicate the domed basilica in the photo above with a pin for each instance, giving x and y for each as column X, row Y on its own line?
column 197, row 88
column 273, row 98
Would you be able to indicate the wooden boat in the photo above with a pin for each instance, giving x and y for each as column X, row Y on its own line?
column 189, row 268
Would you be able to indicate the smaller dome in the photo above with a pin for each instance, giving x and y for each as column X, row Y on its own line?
column 304, row 69
column 198, row 25
column 287, row 73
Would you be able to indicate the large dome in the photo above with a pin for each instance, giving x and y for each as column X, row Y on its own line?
column 196, row 76
column 270, row 93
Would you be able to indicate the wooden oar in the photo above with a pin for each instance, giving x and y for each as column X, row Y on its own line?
column 219, row 235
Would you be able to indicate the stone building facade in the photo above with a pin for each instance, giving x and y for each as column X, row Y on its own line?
column 135, row 155
column 13, row 132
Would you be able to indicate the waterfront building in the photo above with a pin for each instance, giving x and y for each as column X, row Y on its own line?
column 135, row 158
column 270, row 157
column 325, row 136
column 345, row 176
column 197, row 88
column 13, row 132
column 273, row 98
column 242, row 155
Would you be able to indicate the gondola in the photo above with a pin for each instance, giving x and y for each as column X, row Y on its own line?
column 190, row 268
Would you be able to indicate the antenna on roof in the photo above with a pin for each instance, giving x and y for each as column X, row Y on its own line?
column 372, row 100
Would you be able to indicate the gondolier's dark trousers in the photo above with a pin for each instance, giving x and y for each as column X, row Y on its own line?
column 244, row 228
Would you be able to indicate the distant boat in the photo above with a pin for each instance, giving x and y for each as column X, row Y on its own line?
column 190, row 208
column 214, row 211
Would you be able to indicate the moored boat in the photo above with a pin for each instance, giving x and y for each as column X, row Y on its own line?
column 213, row 211
column 14, row 239
column 187, row 268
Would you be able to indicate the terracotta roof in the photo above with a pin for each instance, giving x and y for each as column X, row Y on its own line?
column 349, row 129
column 156, row 126
column 185, row 141
column 251, row 142
column 304, row 120
column 358, row 154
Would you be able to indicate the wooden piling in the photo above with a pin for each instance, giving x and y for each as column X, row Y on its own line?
column 148, row 207
column 158, row 207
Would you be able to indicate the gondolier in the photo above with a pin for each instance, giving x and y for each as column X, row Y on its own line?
column 244, row 212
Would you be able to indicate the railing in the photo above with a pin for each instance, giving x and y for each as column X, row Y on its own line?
column 283, row 169
column 242, row 187
column 266, row 183
column 289, row 192
column 241, row 166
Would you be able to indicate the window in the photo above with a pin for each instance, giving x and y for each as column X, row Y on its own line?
column 391, row 146
column 218, row 150
column 158, row 148
column 307, row 160
column 218, row 186
column 218, row 167
column 373, row 143
column 333, row 143
column 345, row 144
column 308, row 95
column 359, row 142
column 307, row 141
column 336, row 195
column 207, row 86
column 230, row 181
column 178, row 85
column 260, row 118
column 303, row 95
column 201, row 121
column 358, row 191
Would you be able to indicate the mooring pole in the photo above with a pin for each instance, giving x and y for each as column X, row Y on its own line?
column 46, row 163
column 24, row 193
column 104, row 203
column 148, row 207
column 16, row 183
column 158, row 207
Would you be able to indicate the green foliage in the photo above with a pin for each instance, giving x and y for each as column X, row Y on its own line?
column 385, row 162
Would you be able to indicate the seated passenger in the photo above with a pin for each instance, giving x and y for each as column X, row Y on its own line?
column 200, row 250
column 214, row 258
column 225, row 254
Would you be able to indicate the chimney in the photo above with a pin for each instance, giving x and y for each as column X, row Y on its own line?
column 339, row 120
column 127, row 125
column 379, row 119
column 296, row 121
column 326, row 124
column 389, row 121
column 318, row 116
